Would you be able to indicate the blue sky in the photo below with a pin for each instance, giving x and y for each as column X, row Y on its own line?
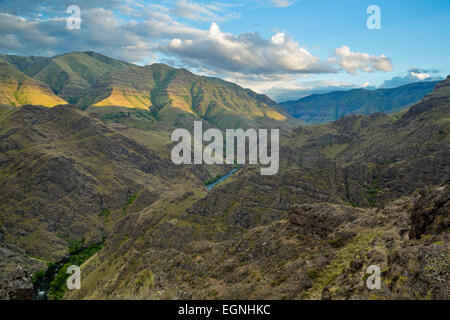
column 286, row 49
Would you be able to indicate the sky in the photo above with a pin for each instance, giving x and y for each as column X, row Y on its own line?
column 286, row 49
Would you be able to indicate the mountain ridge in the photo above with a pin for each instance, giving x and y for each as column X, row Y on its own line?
column 327, row 107
column 155, row 92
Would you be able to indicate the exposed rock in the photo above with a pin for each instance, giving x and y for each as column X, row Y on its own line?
column 321, row 219
column 431, row 212
column 17, row 287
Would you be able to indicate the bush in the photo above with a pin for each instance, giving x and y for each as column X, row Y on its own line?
column 38, row 275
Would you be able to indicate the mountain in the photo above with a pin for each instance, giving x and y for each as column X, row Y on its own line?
column 170, row 94
column 322, row 108
column 16, row 89
column 68, row 75
column 361, row 191
column 61, row 169
column 142, row 96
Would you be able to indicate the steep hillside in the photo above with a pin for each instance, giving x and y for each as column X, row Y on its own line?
column 66, row 176
column 322, row 108
column 171, row 95
column 18, row 89
column 364, row 190
column 316, row 251
column 68, row 75
column 142, row 96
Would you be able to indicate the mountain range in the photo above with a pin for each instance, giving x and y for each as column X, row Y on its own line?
column 155, row 93
column 328, row 107
column 362, row 190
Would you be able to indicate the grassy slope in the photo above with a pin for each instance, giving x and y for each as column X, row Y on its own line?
column 68, row 75
column 62, row 171
column 177, row 96
column 18, row 89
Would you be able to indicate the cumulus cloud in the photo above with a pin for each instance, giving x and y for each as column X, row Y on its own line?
column 101, row 31
column 246, row 53
column 354, row 62
column 414, row 75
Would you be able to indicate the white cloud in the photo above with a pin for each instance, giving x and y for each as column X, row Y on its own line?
column 247, row 53
column 283, row 3
column 414, row 75
column 139, row 32
column 352, row 62
column 277, row 3
column 205, row 12
column 420, row 76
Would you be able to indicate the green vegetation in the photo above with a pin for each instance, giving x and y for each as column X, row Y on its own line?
column 37, row 276
column 372, row 192
column 58, row 286
column 129, row 203
column 105, row 213
column 212, row 179
column 75, row 245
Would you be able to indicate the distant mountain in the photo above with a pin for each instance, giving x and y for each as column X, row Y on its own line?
column 16, row 89
column 323, row 108
column 157, row 93
column 68, row 75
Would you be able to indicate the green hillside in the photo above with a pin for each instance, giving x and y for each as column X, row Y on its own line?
column 171, row 95
column 17, row 89
column 68, row 75
column 141, row 96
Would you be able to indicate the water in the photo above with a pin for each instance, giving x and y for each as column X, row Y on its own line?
column 212, row 185
column 42, row 286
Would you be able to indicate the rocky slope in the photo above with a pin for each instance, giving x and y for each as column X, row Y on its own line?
column 360, row 191
column 364, row 190
column 66, row 176
column 323, row 108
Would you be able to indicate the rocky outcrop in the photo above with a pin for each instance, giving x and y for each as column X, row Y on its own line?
column 321, row 219
column 431, row 212
column 17, row 287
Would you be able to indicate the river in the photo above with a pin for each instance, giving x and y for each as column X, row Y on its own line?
column 212, row 185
